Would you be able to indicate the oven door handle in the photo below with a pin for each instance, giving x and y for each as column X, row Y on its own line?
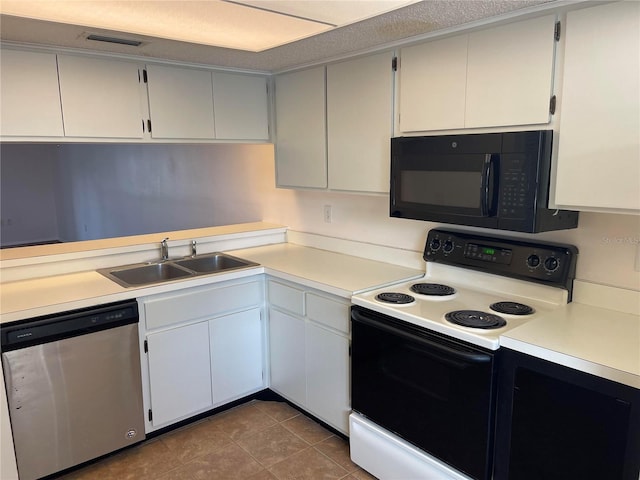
column 450, row 352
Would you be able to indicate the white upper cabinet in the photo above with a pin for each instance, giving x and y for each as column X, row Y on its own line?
column 180, row 102
column 433, row 80
column 187, row 103
column 500, row 76
column 100, row 97
column 598, row 164
column 30, row 105
column 301, row 151
column 241, row 106
column 510, row 74
column 360, row 123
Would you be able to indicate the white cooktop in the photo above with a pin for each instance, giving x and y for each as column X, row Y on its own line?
column 474, row 291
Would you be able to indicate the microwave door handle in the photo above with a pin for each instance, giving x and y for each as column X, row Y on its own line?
column 486, row 206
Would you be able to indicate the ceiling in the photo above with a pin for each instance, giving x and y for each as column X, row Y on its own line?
column 263, row 35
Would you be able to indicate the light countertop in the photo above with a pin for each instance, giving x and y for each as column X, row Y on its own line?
column 334, row 273
column 591, row 339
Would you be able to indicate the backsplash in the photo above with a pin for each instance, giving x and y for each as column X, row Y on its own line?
column 240, row 187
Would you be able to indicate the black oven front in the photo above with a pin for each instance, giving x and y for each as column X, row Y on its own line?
column 432, row 391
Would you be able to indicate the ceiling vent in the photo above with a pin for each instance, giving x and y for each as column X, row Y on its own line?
column 120, row 41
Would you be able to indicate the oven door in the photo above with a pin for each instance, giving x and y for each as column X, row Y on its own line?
column 432, row 391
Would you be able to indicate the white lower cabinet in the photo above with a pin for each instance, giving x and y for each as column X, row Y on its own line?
column 287, row 355
column 309, row 351
column 180, row 372
column 236, row 355
column 202, row 347
column 327, row 371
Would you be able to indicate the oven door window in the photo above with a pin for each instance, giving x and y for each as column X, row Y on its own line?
column 433, row 393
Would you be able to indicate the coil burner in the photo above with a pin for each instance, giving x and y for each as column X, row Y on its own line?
column 395, row 298
column 475, row 319
column 433, row 289
column 512, row 308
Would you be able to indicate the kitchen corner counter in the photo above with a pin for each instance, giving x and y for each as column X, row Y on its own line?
column 336, row 273
column 591, row 339
column 331, row 272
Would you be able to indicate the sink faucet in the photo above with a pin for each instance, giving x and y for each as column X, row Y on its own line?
column 164, row 249
column 193, row 248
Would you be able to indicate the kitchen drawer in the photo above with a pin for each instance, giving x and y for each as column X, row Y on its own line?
column 196, row 303
column 332, row 313
column 286, row 297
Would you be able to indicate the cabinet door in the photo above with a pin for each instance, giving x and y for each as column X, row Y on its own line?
column 432, row 85
column 100, row 98
column 180, row 102
column 301, row 153
column 510, row 74
column 240, row 107
column 236, row 355
column 30, row 96
column 599, row 142
column 358, row 151
column 287, row 352
column 327, row 360
column 179, row 372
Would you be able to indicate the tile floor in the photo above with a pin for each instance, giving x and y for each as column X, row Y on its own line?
column 260, row 440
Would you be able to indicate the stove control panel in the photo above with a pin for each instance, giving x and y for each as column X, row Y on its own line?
column 540, row 262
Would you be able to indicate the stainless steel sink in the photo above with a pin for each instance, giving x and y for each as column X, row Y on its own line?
column 139, row 274
column 145, row 273
column 214, row 262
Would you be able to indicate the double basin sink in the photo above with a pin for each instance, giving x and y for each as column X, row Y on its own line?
column 139, row 274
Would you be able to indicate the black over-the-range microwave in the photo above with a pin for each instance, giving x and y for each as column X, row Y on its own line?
column 491, row 180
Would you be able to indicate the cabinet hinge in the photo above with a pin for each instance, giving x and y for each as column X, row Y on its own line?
column 552, row 105
column 149, row 125
column 557, row 31
column 146, row 347
column 150, row 416
column 145, row 78
column 394, row 64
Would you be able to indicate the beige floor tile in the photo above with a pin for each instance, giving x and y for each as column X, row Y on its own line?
column 243, row 421
column 360, row 475
column 337, row 449
column 195, row 440
column 263, row 475
column 307, row 429
column 272, row 445
column 280, row 411
column 308, row 465
column 181, row 473
column 228, row 463
column 148, row 461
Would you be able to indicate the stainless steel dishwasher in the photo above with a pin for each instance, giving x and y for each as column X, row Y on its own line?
column 73, row 386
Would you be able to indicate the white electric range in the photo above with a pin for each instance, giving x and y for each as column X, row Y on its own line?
column 425, row 353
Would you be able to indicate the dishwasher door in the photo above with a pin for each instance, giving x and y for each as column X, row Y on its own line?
column 74, row 399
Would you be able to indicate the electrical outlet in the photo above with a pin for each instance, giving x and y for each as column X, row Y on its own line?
column 327, row 213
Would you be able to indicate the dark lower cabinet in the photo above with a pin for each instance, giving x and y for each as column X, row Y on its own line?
column 558, row 423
